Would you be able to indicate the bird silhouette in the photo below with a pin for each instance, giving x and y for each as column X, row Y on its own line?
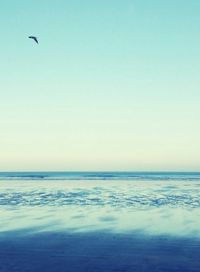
column 34, row 38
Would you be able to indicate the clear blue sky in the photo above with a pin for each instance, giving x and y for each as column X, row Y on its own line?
column 112, row 85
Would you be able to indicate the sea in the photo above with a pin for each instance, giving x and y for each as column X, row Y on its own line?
column 153, row 203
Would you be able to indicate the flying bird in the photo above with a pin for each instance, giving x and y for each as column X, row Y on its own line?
column 34, row 38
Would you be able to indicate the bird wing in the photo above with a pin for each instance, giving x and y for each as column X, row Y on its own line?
column 34, row 38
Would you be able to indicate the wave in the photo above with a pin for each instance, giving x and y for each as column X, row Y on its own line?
column 103, row 198
column 151, row 176
column 165, row 206
column 97, row 193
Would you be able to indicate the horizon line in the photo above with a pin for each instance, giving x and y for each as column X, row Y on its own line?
column 102, row 171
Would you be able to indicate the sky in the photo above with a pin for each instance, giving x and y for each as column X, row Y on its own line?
column 112, row 85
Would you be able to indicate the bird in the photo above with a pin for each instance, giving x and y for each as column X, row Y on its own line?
column 34, row 38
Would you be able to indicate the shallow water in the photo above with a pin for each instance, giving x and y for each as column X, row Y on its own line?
column 155, row 204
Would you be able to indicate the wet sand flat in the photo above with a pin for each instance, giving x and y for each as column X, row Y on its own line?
column 97, row 251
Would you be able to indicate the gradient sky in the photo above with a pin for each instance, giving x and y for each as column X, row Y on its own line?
column 113, row 85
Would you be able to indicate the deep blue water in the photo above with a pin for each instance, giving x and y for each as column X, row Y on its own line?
column 100, row 175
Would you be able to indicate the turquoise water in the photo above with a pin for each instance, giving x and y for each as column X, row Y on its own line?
column 154, row 203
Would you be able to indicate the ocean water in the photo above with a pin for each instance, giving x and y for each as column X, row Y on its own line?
column 154, row 203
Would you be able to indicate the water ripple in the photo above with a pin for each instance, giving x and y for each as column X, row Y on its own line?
column 115, row 195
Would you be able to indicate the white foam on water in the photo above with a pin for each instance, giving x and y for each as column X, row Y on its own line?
column 155, row 207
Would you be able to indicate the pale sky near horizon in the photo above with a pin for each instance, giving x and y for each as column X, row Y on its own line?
column 112, row 85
